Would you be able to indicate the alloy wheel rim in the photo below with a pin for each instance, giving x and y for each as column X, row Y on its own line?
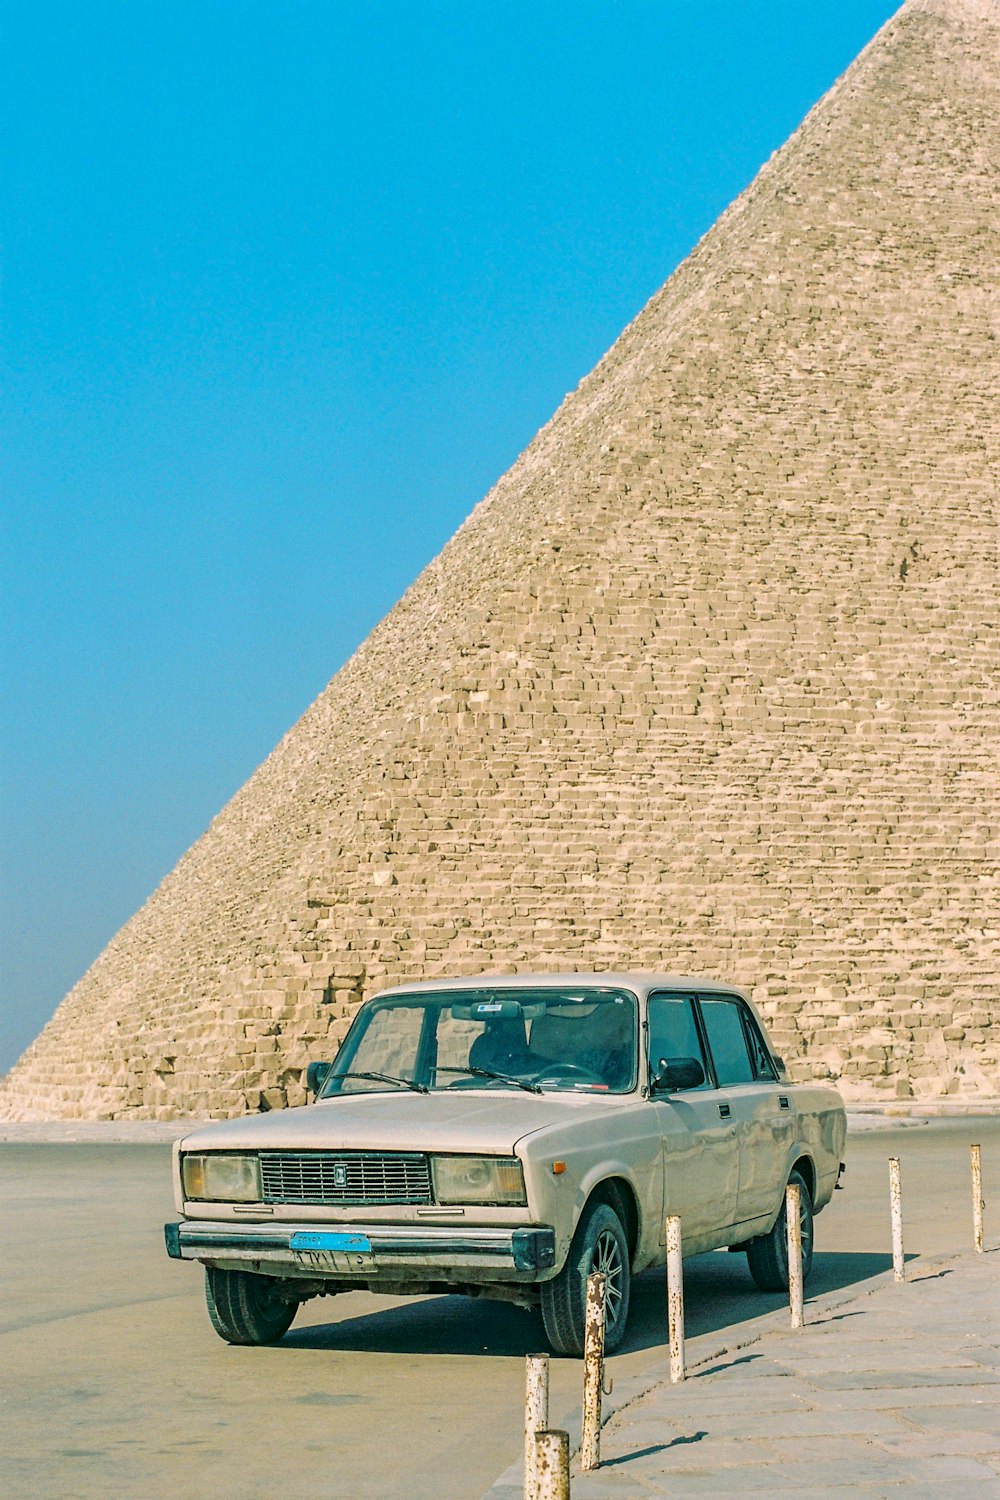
column 805, row 1232
column 805, row 1225
column 608, row 1260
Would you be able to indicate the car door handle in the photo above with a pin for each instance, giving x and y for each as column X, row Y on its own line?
column 783, row 1101
column 725, row 1111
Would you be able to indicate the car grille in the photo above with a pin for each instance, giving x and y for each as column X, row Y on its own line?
column 355, row 1178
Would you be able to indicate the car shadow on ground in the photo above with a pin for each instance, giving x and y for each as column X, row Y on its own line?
column 718, row 1293
column 425, row 1325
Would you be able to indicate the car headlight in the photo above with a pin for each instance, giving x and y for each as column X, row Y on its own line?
column 478, row 1179
column 221, row 1177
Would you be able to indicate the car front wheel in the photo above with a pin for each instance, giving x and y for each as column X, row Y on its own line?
column 767, row 1256
column 599, row 1244
column 245, row 1308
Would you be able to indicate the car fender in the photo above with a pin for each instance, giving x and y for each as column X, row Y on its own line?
column 796, row 1153
column 559, row 1197
column 605, row 1171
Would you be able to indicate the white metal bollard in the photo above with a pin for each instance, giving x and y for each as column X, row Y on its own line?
column 976, row 1155
column 536, row 1415
column 552, row 1465
column 896, row 1215
column 675, row 1298
column 593, row 1371
column 793, row 1237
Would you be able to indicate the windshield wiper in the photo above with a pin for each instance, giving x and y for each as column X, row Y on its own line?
column 522, row 1083
column 408, row 1083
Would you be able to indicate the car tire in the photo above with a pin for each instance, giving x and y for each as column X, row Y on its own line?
column 599, row 1244
column 767, row 1255
column 245, row 1309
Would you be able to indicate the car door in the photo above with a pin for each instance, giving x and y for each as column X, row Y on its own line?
column 760, row 1107
column 700, row 1149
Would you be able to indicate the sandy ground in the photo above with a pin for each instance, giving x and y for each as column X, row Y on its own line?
column 113, row 1384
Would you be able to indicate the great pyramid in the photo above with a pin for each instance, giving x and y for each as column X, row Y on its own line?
column 709, row 682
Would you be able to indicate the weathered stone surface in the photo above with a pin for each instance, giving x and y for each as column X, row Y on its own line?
column 709, row 682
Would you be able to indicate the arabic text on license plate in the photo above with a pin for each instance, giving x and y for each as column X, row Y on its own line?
column 332, row 1251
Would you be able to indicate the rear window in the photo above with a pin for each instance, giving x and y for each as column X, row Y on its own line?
column 728, row 1042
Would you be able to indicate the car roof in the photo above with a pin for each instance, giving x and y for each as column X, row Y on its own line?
column 641, row 983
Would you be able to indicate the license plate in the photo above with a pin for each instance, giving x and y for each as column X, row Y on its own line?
column 321, row 1239
column 331, row 1251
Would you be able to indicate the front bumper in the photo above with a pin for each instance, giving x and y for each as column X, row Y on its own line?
column 357, row 1252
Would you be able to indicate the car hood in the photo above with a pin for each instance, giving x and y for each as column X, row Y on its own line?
column 475, row 1120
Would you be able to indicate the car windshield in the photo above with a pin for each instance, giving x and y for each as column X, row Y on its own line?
column 534, row 1039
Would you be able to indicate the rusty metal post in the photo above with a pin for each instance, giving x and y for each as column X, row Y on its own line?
column 793, row 1235
column 593, row 1371
column 675, row 1299
column 536, row 1415
column 552, row 1465
column 976, row 1155
column 896, row 1215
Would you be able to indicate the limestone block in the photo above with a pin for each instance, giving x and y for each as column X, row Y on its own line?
column 708, row 683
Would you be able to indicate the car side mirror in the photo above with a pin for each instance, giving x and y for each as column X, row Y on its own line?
column 316, row 1076
column 676, row 1073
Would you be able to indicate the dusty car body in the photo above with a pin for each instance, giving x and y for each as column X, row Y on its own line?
column 502, row 1137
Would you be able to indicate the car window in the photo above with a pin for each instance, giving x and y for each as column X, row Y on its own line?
column 586, row 1041
column 388, row 1044
column 728, row 1042
column 760, row 1058
column 673, row 1032
column 457, row 1039
column 572, row 1037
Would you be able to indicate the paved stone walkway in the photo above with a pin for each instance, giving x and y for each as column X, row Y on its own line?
column 895, row 1393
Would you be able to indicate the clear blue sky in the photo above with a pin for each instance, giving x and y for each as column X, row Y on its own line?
column 287, row 284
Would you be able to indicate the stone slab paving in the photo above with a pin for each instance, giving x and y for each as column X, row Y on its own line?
column 896, row 1392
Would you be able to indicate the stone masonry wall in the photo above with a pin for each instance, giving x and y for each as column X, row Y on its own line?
column 709, row 683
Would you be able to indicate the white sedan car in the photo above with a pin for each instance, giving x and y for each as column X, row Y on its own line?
column 503, row 1137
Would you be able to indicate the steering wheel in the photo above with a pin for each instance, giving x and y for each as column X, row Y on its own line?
column 568, row 1070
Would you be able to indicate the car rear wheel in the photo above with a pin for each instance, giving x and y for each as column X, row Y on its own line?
column 767, row 1256
column 599, row 1244
column 246, row 1309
